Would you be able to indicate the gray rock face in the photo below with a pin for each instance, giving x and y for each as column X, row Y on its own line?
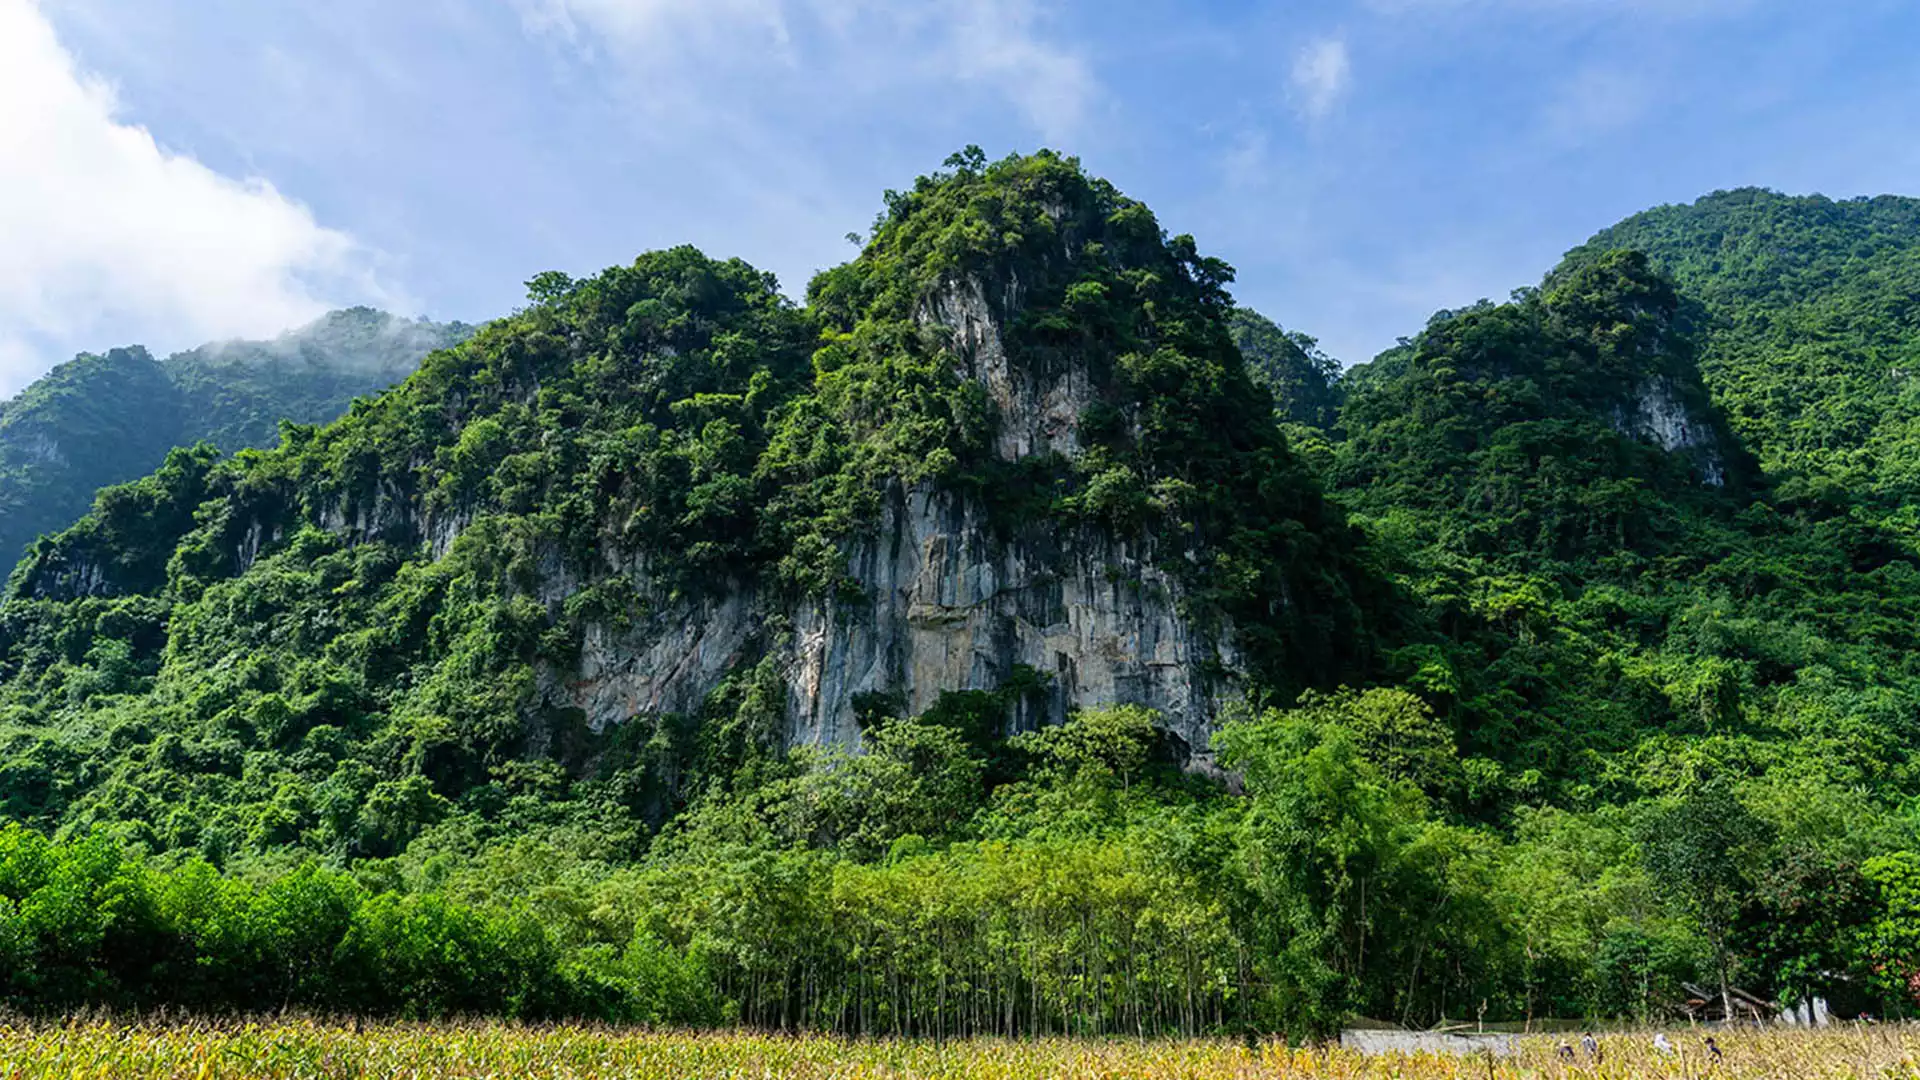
column 256, row 538
column 1662, row 419
column 41, row 449
column 1039, row 410
column 943, row 604
column 944, row 601
column 1660, row 416
column 72, row 579
column 947, row 606
column 658, row 664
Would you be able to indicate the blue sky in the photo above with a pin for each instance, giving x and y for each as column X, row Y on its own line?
column 176, row 170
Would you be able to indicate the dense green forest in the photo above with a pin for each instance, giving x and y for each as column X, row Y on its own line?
column 1809, row 332
column 1576, row 661
column 106, row 419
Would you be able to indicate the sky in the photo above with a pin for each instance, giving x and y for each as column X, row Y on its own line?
column 177, row 171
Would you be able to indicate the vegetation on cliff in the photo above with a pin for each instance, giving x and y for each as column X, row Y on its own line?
column 1809, row 332
column 109, row 419
column 1558, row 695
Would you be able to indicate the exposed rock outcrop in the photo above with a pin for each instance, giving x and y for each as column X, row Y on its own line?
column 1039, row 409
column 41, row 449
column 1661, row 416
column 70, row 576
column 947, row 606
column 945, row 602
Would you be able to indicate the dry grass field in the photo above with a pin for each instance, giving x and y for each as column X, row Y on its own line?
column 303, row 1050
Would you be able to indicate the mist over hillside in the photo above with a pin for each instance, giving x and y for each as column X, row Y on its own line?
column 105, row 419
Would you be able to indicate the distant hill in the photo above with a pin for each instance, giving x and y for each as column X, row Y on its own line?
column 105, row 419
column 1811, row 342
column 1304, row 382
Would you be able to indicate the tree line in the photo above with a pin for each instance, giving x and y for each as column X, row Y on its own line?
column 1100, row 892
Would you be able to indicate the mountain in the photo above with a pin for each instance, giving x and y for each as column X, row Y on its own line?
column 1612, row 576
column 1640, row 634
column 1589, row 385
column 983, row 647
column 1011, row 447
column 1811, row 336
column 106, row 419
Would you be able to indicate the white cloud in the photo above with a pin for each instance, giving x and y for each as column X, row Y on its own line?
column 878, row 46
column 105, row 231
column 1322, row 72
column 996, row 42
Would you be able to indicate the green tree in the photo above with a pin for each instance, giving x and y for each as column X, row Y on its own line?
column 1116, row 743
column 1318, row 847
column 1892, row 939
column 1702, row 849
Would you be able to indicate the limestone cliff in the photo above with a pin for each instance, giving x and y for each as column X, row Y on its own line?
column 949, row 607
column 943, row 599
column 945, row 604
column 1666, row 415
column 1176, row 553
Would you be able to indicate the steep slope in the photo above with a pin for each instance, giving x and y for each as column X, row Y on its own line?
column 1585, row 392
column 101, row 420
column 1156, row 542
column 1617, row 600
column 92, row 421
column 1812, row 337
column 1304, row 382
column 661, row 522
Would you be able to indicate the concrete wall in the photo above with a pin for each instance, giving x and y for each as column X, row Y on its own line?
column 1372, row 1041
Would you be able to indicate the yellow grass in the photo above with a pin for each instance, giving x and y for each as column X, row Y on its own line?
column 303, row 1050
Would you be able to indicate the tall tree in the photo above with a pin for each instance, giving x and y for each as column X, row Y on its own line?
column 1703, row 849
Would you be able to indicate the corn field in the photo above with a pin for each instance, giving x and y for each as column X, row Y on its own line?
column 304, row 1050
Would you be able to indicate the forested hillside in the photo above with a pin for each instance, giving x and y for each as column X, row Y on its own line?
column 1303, row 380
column 1810, row 333
column 111, row 418
column 1016, row 637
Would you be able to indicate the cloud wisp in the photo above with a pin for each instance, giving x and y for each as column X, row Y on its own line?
column 1322, row 75
column 868, row 47
column 110, row 232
